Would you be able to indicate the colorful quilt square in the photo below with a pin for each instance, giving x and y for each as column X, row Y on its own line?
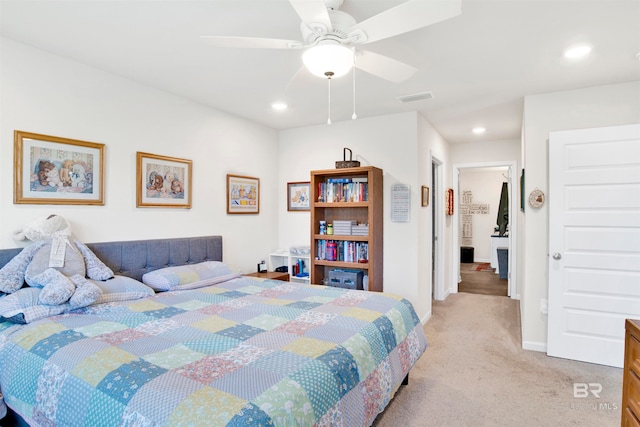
column 72, row 410
column 385, row 327
column 240, row 332
column 250, row 415
column 207, row 369
column 174, row 357
column 286, row 404
column 362, row 314
column 319, row 384
column 273, row 339
column 94, row 368
column 146, row 305
column 214, row 324
column 330, row 332
column 266, row 322
column 281, row 362
column 247, row 382
column 123, row 382
column 123, row 336
column 99, row 328
column 165, row 313
column 192, row 305
column 28, row 339
column 215, row 406
column 296, row 327
column 304, row 305
column 343, row 366
column 308, row 347
column 211, row 344
column 47, row 346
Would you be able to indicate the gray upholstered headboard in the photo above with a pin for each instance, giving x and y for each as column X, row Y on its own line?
column 136, row 257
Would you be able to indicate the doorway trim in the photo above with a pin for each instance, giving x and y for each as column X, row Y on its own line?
column 513, row 222
column 437, row 189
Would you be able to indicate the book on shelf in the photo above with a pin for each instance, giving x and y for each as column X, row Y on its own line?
column 346, row 251
column 333, row 192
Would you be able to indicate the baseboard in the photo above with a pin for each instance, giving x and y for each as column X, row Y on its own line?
column 426, row 318
column 535, row 346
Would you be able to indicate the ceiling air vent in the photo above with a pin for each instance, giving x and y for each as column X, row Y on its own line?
column 415, row 97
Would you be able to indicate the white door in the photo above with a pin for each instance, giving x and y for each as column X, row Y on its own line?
column 594, row 241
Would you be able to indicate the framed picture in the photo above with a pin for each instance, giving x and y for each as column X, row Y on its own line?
column 243, row 194
column 522, row 191
column 57, row 171
column 298, row 196
column 162, row 182
column 425, row 195
column 449, row 202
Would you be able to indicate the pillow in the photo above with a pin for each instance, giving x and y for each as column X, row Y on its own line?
column 22, row 306
column 121, row 288
column 196, row 275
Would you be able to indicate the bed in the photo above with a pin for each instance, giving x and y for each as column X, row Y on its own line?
column 238, row 351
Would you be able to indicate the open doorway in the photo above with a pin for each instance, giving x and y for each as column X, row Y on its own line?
column 437, row 224
column 485, row 246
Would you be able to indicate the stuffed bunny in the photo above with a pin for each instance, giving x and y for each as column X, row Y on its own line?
column 55, row 262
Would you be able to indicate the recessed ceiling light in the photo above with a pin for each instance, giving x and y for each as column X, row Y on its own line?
column 479, row 130
column 279, row 106
column 577, row 51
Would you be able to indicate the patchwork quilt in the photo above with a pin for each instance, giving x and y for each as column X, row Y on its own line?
column 240, row 353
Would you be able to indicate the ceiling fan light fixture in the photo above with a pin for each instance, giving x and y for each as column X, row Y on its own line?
column 328, row 56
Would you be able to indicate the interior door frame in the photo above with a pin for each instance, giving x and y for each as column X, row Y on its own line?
column 514, row 203
column 439, row 292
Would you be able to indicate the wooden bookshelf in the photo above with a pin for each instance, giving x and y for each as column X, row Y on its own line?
column 369, row 211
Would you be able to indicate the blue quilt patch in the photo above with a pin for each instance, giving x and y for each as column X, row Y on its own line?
column 240, row 332
column 385, row 327
column 343, row 366
column 122, row 383
column 47, row 346
column 250, row 416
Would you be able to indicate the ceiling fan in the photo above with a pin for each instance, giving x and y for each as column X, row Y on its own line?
column 333, row 35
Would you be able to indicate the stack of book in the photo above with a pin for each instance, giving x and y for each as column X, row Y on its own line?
column 360, row 230
column 343, row 228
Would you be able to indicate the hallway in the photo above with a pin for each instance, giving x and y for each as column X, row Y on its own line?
column 480, row 278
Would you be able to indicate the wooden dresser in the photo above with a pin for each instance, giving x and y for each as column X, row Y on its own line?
column 631, row 375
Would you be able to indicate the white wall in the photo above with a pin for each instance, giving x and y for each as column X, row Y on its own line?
column 485, row 186
column 585, row 108
column 387, row 142
column 46, row 94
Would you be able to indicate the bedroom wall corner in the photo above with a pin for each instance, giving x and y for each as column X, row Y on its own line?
column 48, row 94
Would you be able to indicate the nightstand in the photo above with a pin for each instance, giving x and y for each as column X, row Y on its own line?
column 270, row 275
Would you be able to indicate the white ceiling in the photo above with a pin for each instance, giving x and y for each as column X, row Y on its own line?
column 478, row 65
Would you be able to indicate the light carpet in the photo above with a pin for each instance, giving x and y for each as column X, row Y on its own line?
column 475, row 373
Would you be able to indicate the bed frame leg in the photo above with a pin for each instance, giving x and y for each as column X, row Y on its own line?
column 405, row 381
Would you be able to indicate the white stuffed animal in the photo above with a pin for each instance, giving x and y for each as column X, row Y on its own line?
column 57, row 263
column 78, row 176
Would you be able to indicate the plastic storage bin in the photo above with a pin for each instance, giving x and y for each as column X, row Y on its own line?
column 466, row 254
column 503, row 262
column 349, row 279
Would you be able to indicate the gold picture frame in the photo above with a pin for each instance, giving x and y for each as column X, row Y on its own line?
column 243, row 194
column 51, row 170
column 425, row 196
column 163, row 181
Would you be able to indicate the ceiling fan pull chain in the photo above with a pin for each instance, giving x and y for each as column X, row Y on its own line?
column 354, row 116
column 329, row 74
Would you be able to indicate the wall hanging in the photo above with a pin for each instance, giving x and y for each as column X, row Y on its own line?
column 57, row 171
column 162, row 181
column 449, row 202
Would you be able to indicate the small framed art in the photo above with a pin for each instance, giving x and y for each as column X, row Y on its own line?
column 298, row 196
column 57, row 171
column 243, row 194
column 425, row 195
column 162, row 181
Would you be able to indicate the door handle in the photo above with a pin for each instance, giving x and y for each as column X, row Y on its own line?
column 557, row 256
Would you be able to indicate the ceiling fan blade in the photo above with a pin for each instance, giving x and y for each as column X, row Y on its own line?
column 312, row 12
column 252, row 42
column 406, row 17
column 383, row 66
